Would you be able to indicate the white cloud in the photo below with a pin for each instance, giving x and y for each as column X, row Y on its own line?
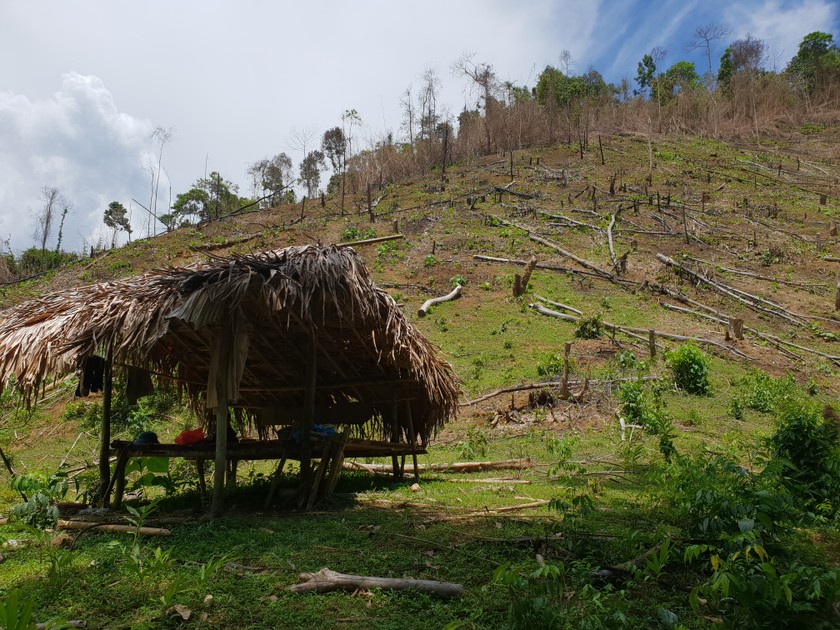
column 782, row 25
column 77, row 141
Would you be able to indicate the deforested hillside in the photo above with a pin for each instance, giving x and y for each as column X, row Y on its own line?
column 646, row 333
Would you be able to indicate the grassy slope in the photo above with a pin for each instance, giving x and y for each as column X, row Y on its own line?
column 493, row 340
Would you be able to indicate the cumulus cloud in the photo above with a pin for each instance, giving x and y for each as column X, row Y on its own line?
column 782, row 25
column 78, row 141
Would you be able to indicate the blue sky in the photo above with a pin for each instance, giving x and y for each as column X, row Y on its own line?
column 83, row 84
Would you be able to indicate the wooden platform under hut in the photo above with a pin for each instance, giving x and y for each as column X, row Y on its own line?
column 295, row 338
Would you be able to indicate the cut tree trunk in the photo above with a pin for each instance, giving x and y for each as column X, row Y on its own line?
column 509, row 464
column 111, row 527
column 326, row 580
column 421, row 312
column 520, row 283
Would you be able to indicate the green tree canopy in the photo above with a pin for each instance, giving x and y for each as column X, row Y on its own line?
column 209, row 199
column 816, row 63
column 310, row 172
column 116, row 218
column 555, row 89
column 334, row 147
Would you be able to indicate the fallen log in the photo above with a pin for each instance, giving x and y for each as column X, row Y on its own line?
column 639, row 332
column 610, row 242
column 758, row 276
column 522, row 263
column 489, row 512
column 421, row 312
column 510, row 464
column 743, row 297
column 488, row 480
column 112, row 527
column 378, row 239
column 326, row 580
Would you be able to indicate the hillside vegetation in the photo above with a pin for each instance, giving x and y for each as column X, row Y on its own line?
column 723, row 493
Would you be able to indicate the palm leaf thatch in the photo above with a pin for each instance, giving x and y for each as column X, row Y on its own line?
column 369, row 357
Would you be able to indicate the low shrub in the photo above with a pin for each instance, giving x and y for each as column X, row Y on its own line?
column 690, row 367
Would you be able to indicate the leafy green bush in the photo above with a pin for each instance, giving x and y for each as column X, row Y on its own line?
column 41, row 491
column 762, row 392
column 550, row 365
column 429, row 261
column 474, row 444
column 690, row 366
column 808, row 446
column 590, row 327
column 644, row 406
column 457, row 280
column 353, row 233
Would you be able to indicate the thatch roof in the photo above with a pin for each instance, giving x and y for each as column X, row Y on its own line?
column 167, row 321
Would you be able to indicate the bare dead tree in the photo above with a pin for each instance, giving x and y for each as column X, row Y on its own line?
column 409, row 114
column 483, row 76
column 703, row 38
column 45, row 215
column 162, row 137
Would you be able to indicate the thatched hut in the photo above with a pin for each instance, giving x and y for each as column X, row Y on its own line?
column 296, row 336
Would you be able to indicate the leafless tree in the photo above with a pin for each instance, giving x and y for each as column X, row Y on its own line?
column 407, row 103
column 44, row 216
column 162, row 137
column 483, row 77
column 427, row 102
column 703, row 38
column 566, row 62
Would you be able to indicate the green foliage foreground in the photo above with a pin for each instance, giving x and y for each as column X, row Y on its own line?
column 670, row 532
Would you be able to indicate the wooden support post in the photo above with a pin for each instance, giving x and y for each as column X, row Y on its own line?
column 652, row 342
column 220, row 469
column 302, row 207
column 601, row 148
column 369, row 206
column 395, row 226
column 222, row 344
column 308, row 420
column 337, row 462
column 511, row 164
column 119, row 479
column 326, row 455
column 685, row 225
column 412, row 437
column 275, row 481
column 395, row 431
column 105, row 431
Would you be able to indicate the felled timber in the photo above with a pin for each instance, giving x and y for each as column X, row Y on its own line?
column 421, row 312
column 112, row 527
column 509, row 464
column 326, row 580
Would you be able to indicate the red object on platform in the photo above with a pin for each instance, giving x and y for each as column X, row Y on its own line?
column 192, row 436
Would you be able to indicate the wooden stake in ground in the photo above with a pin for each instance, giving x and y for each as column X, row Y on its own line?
column 325, row 581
